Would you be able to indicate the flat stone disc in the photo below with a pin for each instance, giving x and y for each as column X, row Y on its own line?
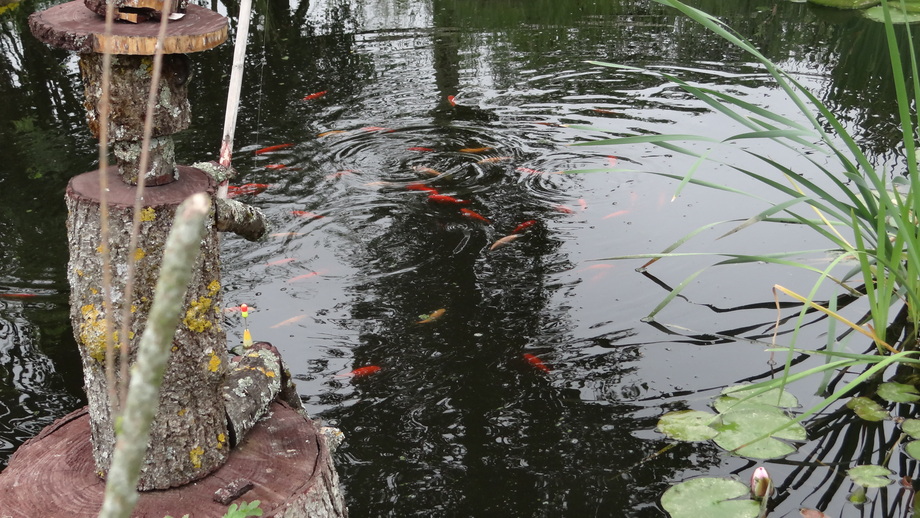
column 72, row 26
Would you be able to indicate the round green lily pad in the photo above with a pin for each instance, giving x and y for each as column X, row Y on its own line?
column 911, row 427
column 898, row 392
column 709, row 497
column 913, row 449
column 867, row 409
column 897, row 16
column 846, row 4
column 742, row 432
column 870, row 475
column 733, row 397
column 688, row 425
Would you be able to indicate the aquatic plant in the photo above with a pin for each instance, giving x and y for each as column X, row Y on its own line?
column 866, row 215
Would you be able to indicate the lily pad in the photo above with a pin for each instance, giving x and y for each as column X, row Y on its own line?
column 897, row 16
column 870, row 475
column 867, row 409
column 847, row 4
column 733, row 397
column 913, row 449
column 688, row 425
column 743, row 431
column 709, row 497
column 898, row 392
column 911, row 427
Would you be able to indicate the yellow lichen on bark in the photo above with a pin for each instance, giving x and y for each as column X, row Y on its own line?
column 196, row 316
column 148, row 214
column 195, row 456
column 92, row 333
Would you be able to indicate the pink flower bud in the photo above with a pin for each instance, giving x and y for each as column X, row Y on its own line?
column 761, row 485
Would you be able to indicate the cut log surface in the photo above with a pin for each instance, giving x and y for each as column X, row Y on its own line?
column 284, row 457
column 72, row 26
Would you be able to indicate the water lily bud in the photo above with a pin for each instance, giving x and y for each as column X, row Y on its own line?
column 761, row 485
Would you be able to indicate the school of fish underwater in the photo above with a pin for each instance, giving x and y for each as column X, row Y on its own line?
column 437, row 275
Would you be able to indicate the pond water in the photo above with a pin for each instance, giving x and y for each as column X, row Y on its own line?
column 457, row 422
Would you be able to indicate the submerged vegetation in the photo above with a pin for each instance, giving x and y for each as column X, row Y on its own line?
column 868, row 218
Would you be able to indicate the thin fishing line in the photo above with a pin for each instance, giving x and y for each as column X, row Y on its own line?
column 261, row 81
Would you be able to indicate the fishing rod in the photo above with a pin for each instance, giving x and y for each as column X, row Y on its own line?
column 233, row 95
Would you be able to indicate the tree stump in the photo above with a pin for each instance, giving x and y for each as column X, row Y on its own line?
column 284, row 457
column 189, row 437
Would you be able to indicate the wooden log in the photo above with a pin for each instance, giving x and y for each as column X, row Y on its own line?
column 189, row 437
column 72, row 26
column 135, row 11
column 284, row 456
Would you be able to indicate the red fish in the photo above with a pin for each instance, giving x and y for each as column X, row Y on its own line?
column 434, row 315
column 615, row 214
column 583, row 203
column 279, row 261
column 421, row 187
column 289, row 321
column 304, row 276
column 363, row 371
column 316, row 95
column 18, row 295
column 427, row 170
column 474, row 215
column 443, row 198
column 306, row 214
column 528, row 170
column 536, row 362
column 494, row 159
column 275, row 166
column 420, row 148
column 474, row 149
column 565, row 210
column 378, row 128
column 269, row 149
column 250, row 188
column 450, row 99
column 524, row 226
column 612, row 160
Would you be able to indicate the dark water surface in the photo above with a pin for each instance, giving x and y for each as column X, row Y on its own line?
column 457, row 422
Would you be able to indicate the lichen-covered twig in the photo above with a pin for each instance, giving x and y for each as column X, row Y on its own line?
column 182, row 247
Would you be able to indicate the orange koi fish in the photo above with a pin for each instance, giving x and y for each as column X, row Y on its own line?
column 250, row 188
column 279, row 261
column 436, row 314
column 611, row 160
column 615, row 214
column 304, row 276
column 286, row 234
column 421, row 187
column 427, row 170
column 602, row 110
column 504, row 241
column 528, row 170
column 494, row 159
column 474, row 215
column 362, row 371
column 450, row 99
column 269, row 149
column 420, row 148
column 236, row 309
column 289, row 321
column 583, row 203
column 443, row 198
column 333, row 132
column 18, row 295
column 563, row 209
column 306, row 214
column 316, row 95
column 524, row 226
column 275, row 166
column 536, row 362
column 475, row 149
column 377, row 128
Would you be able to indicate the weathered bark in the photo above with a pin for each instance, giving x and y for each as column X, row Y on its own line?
column 71, row 26
column 243, row 220
column 189, row 437
column 284, row 457
column 135, row 10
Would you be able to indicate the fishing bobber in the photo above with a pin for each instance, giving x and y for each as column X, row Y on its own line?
column 78, row 26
